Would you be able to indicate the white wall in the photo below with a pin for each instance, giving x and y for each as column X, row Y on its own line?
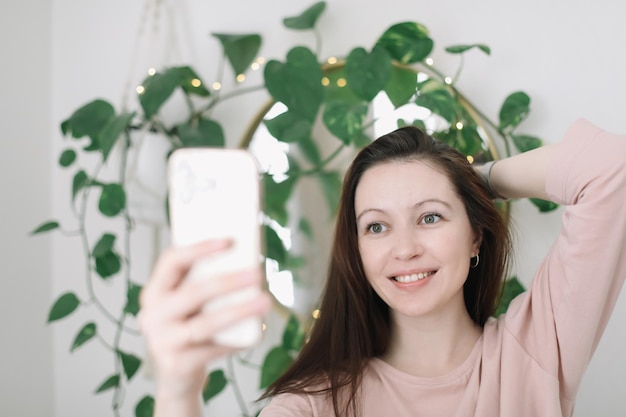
column 567, row 55
column 26, row 279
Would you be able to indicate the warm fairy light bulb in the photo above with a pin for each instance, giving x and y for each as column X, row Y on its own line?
column 316, row 314
column 448, row 80
column 196, row 83
column 341, row 82
column 429, row 61
column 151, row 71
column 260, row 60
column 264, row 327
column 332, row 60
column 241, row 78
column 459, row 125
column 325, row 81
column 470, row 159
column 216, row 86
column 255, row 66
column 140, row 89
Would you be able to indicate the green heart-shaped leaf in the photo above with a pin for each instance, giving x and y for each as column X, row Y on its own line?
column 274, row 245
column 108, row 264
column 304, row 226
column 435, row 96
column 89, row 119
column 459, row 49
column 112, row 200
column 202, row 132
column 307, row 19
column 512, row 288
column 216, row 382
column 145, row 407
column 276, row 197
column 86, row 333
column 525, row 143
column 514, row 110
column 275, row 364
column 335, row 86
column 345, row 120
column 407, row 42
column 190, row 82
column 402, row 86
column 67, row 158
column 544, row 206
column 104, row 245
column 79, row 182
column 111, row 382
column 45, row 227
column 112, row 131
column 468, row 140
column 296, row 83
column 289, row 127
column 157, row 89
column 367, row 74
column 240, row 50
column 130, row 364
column 416, row 122
column 132, row 299
column 293, row 335
column 65, row 305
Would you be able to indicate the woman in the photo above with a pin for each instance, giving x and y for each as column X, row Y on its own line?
column 417, row 263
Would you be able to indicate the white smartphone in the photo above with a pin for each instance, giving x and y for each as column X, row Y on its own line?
column 215, row 193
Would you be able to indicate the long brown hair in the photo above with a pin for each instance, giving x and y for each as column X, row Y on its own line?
column 354, row 323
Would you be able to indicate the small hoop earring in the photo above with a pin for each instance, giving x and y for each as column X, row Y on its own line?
column 475, row 264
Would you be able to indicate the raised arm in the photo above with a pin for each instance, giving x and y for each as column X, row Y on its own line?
column 523, row 175
column 560, row 320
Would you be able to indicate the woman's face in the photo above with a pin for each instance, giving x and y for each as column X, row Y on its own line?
column 415, row 238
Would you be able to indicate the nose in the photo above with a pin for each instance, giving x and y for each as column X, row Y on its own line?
column 406, row 244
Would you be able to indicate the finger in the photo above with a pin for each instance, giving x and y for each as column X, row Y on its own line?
column 191, row 296
column 203, row 327
column 174, row 264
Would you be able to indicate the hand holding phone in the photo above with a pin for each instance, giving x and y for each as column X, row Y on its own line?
column 215, row 193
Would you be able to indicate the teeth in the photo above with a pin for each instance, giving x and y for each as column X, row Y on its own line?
column 413, row 277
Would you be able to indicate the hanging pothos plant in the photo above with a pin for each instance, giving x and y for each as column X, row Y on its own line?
column 312, row 92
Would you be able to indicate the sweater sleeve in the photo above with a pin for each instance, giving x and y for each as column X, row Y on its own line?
column 293, row 405
column 560, row 319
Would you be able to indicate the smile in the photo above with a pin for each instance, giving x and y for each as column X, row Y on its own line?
column 413, row 277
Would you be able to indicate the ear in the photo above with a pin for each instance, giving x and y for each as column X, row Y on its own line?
column 478, row 240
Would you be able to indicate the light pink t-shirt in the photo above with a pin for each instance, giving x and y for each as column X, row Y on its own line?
column 529, row 362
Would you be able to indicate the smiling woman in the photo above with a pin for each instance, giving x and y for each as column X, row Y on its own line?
column 406, row 326
column 323, row 111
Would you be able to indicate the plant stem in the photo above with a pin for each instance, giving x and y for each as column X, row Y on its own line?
column 324, row 162
column 119, row 390
column 237, row 391
column 458, row 70
column 226, row 96
column 104, row 342
column 246, row 362
column 127, row 218
column 318, row 42
column 82, row 214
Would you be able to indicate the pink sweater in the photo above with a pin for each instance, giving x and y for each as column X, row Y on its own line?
column 529, row 362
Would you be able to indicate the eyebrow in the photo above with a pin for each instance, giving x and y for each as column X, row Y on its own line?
column 416, row 205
